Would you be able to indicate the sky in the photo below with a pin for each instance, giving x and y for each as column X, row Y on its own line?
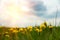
column 23, row 13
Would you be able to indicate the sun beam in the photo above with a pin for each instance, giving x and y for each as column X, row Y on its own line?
column 18, row 11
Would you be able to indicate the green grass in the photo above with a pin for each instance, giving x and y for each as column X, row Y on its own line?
column 46, row 34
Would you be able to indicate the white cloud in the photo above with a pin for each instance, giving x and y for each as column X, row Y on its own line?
column 11, row 13
column 51, row 5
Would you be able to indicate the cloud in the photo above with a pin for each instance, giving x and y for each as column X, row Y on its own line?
column 51, row 8
column 12, row 13
column 51, row 5
column 39, row 8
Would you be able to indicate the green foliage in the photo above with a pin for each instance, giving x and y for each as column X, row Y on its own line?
column 46, row 34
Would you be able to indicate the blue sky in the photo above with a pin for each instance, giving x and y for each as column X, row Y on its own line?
column 47, row 9
column 28, row 12
column 40, row 7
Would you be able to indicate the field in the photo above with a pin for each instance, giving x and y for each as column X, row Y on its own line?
column 30, row 33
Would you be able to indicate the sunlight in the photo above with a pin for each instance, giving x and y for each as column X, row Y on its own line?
column 17, row 12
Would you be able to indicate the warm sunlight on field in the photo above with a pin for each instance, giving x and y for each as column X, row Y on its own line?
column 42, row 32
column 29, row 20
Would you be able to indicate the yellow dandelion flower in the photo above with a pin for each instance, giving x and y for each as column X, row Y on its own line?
column 45, row 23
column 15, row 31
column 11, row 29
column 42, row 26
column 25, row 29
column 29, row 27
column 7, row 35
column 37, row 30
column 21, row 29
column 40, row 30
column 50, row 26
column 30, row 30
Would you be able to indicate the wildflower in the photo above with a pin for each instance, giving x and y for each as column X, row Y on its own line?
column 50, row 26
column 30, row 30
column 21, row 29
column 42, row 26
column 25, row 29
column 40, row 30
column 15, row 31
column 37, row 29
column 45, row 23
column 11, row 29
column 29, row 27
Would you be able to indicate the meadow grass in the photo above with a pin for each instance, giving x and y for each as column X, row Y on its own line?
column 32, row 33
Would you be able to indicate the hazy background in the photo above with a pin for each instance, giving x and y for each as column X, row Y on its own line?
column 23, row 13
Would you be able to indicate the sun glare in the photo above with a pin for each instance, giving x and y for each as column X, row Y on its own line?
column 16, row 11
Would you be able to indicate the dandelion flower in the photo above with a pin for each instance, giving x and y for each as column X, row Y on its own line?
column 50, row 26
column 11, row 29
column 21, row 29
column 37, row 29
column 43, row 25
column 29, row 27
column 15, row 31
column 30, row 30
column 40, row 30
column 25, row 29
